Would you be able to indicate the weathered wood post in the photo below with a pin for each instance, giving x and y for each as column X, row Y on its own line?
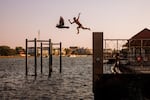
column 50, row 57
column 41, row 58
column 97, row 57
column 26, row 57
column 35, row 56
column 60, row 58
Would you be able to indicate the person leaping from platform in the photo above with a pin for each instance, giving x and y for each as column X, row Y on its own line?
column 61, row 23
column 76, row 20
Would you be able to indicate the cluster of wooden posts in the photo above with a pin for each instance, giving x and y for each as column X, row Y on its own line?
column 50, row 45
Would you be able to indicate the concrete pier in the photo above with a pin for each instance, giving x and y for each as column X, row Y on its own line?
column 130, row 84
column 123, row 87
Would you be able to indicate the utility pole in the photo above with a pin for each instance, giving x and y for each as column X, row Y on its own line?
column 38, row 34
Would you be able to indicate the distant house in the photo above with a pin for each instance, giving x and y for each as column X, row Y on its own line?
column 56, row 51
column 73, row 49
column 139, row 46
column 31, row 51
column 22, row 53
column 44, row 51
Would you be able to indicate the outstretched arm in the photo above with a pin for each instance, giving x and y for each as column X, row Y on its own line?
column 70, row 21
column 78, row 16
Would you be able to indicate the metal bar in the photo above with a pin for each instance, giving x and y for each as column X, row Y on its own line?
column 35, row 58
column 129, row 50
column 55, row 43
column 117, row 46
column 124, row 39
column 141, row 53
column 45, row 43
column 116, row 39
column 105, row 44
column 38, row 40
column 41, row 59
column 30, row 40
column 42, row 40
column 139, row 46
column 26, row 57
column 60, row 58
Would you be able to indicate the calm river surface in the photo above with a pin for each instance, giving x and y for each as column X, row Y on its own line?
column 74, row 83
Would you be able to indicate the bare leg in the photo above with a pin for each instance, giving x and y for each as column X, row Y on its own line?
column 85, row 28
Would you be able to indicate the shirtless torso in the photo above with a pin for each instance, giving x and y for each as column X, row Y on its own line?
column 76, row 20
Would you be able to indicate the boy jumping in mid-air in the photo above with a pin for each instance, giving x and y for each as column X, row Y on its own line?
column 76, row 20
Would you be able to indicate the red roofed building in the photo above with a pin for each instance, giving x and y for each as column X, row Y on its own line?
column 139, row 46
column 144, row 34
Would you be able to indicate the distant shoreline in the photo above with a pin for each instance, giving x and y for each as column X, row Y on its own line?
column 17, row 56
column 12, row 57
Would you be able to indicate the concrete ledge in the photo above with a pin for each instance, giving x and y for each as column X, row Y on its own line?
column 122, row 87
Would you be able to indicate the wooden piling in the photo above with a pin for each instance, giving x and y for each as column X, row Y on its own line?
column 50, row 57
column 26, row 68
column 97, row 57
column 41, row 58
column 35, row 56
column 60, row 58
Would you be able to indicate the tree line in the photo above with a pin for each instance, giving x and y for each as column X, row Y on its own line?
column 7, row 51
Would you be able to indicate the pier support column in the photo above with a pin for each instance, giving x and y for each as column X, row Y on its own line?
column 60, row 57
column 41, row 58
column 35, row 56
column 97, row 57
column 50, row 57
column 26, row 57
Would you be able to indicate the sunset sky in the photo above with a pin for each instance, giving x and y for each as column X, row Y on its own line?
column 21, row 19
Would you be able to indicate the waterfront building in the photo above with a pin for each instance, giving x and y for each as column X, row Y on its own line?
column 139, row 47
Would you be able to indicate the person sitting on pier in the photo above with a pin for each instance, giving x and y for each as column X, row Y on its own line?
column 61, row 23
column 76, row 20
column 117, row 64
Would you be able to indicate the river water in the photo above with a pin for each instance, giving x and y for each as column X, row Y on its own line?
column 74, row 83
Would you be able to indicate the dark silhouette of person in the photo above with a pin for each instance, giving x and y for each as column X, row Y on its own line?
column 117, row 63
column 61, row 23
column 76, row 20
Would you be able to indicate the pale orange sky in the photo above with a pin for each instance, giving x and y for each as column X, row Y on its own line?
column 21, row 19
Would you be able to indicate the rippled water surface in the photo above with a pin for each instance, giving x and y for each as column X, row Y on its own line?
column 74, row 83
